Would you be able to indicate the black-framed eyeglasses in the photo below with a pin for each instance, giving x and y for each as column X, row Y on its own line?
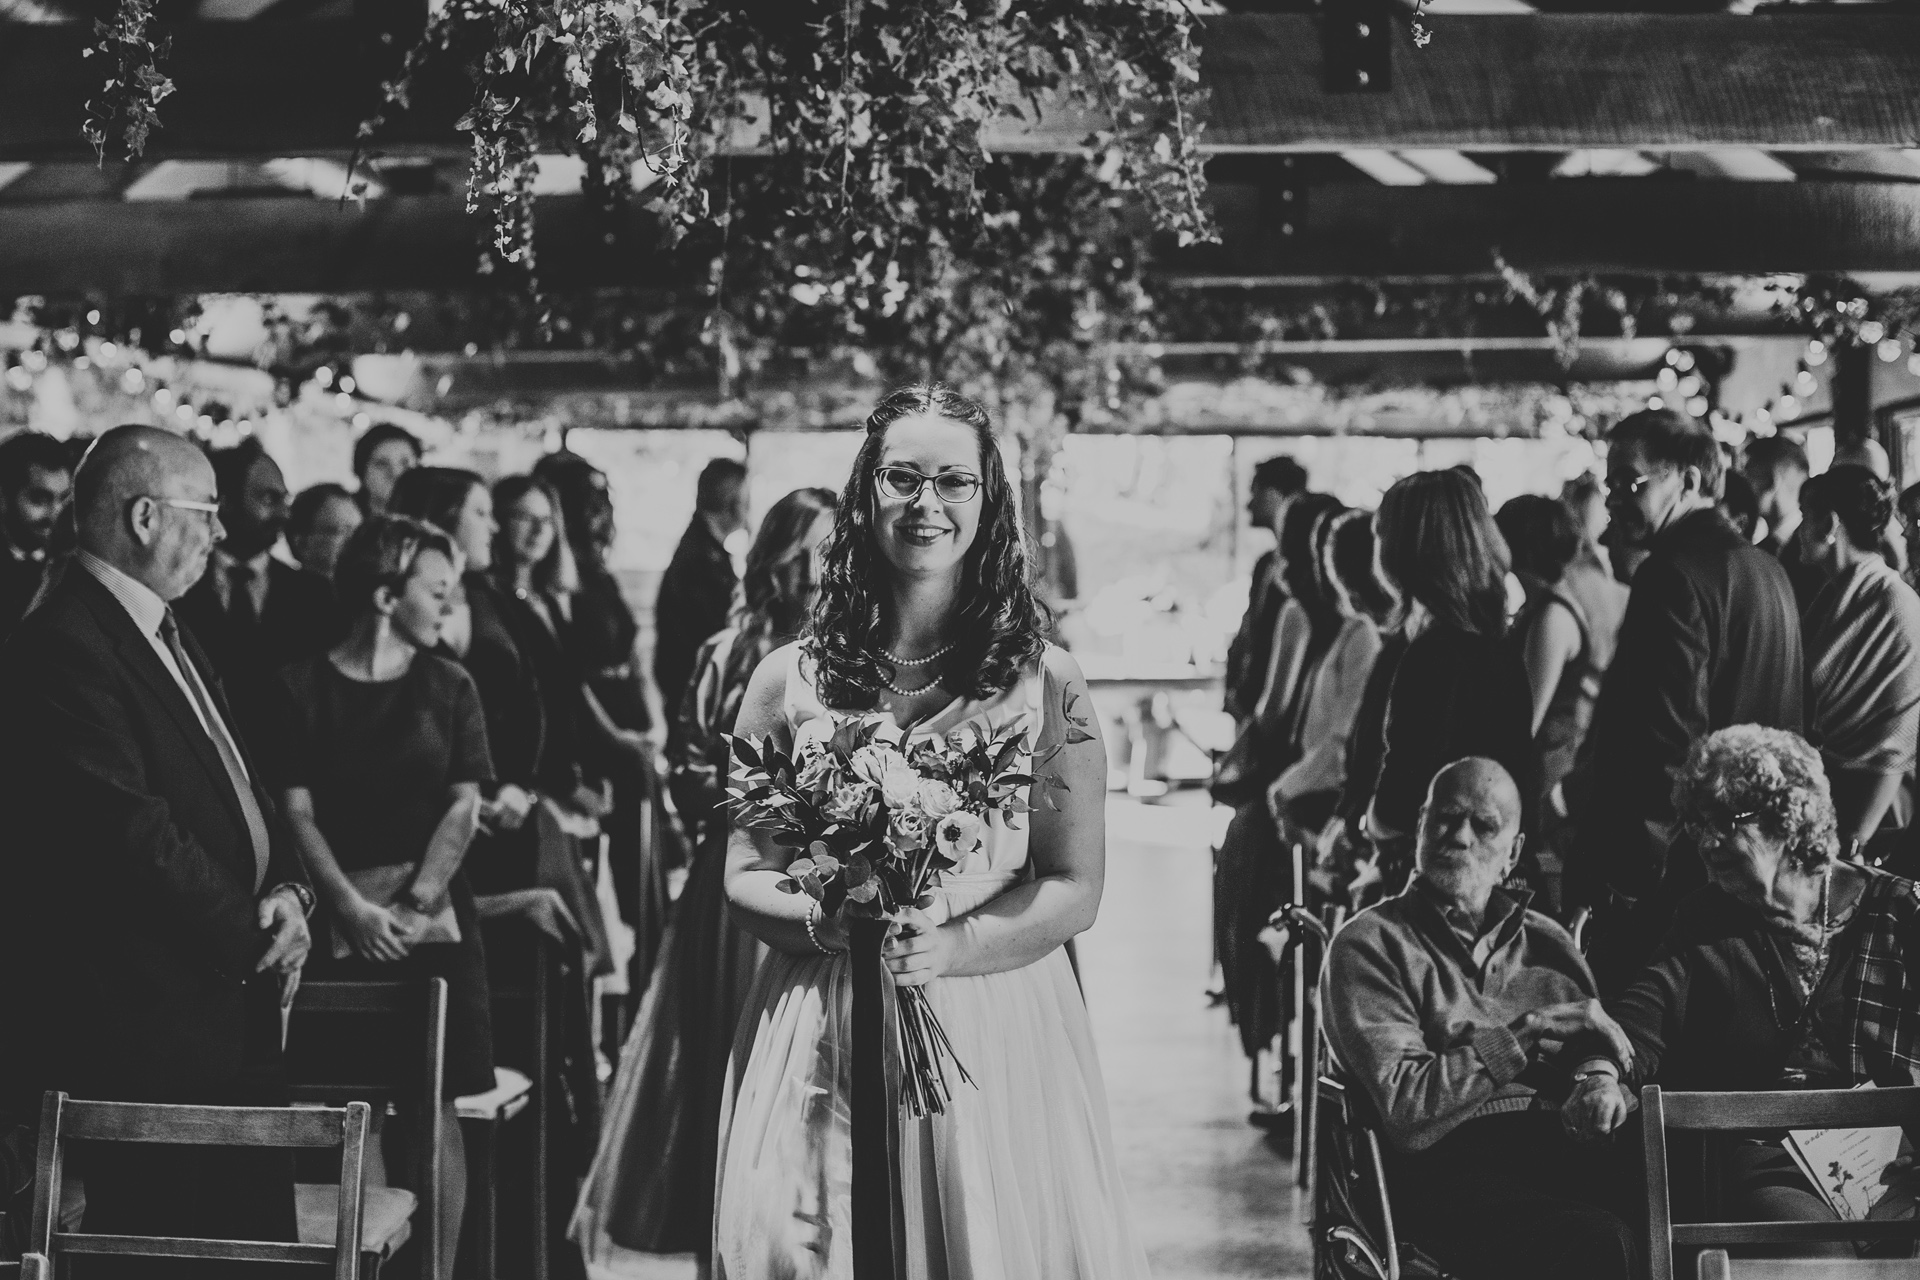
column 904, row 484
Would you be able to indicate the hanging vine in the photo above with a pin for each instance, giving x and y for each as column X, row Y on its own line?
column 130, row 99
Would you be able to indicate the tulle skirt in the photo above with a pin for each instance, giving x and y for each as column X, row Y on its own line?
column 1017, row 1181
column 651, row 1185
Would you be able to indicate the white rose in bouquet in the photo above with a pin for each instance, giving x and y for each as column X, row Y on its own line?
column 936, row 799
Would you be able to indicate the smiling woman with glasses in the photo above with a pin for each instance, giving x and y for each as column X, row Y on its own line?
column 927, row 621
column 1786, row 971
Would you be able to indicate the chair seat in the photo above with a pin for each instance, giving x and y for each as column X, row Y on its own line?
column 507, row 1099
column 385, row 1224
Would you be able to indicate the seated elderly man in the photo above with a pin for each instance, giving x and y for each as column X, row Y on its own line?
column 1446, row 1006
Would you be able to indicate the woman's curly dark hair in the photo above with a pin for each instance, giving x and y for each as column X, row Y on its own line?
column 1001, row 625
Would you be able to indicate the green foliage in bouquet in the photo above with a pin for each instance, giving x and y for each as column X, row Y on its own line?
column 876, row 822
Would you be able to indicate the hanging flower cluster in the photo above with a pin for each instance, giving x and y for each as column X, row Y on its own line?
column 130, row 98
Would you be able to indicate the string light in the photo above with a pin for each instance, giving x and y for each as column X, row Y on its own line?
column 1655, row 402
column 347, row 383
column 1871, row 331
column 323, row 376
column 1816, row 352
column 1890, row 349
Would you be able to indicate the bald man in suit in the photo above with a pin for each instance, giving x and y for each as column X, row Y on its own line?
column 152, row 903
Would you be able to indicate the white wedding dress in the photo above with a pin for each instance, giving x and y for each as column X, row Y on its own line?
column 1017, row 1181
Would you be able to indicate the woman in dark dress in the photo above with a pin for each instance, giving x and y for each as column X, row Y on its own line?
column 381, row 763
column 478, row 633
column 602, row 635
column 1254, row 874
column 651, row 1189
column 1459, row 689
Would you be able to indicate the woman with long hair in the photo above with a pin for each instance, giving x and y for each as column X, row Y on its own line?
column 651, row 1187
column 1460, row 689
column 533, row 570
column 479, row 635
column 1252, row 875
column 927, row 616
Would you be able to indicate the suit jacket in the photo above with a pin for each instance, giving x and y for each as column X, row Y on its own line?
column 300, row 618
column 19, row 580
column 696, row 593
column 129, row 925
column 1248, row 656
column 1711, row 638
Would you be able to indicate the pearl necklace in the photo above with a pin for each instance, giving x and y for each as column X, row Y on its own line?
column 897, row 661
column 908, row 693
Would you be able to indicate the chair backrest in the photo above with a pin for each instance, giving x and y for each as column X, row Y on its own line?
column 1715, row 1264
column 64, row 1120
column 421, row 1086
column 1711, row 1113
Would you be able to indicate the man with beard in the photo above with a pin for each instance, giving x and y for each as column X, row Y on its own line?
column 1456, row 1012
column 252, row 613
column 1711, row 638
column 35, row 475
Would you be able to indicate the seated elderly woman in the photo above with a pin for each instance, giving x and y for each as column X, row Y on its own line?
column 1788, row 971
column 1449, row 1006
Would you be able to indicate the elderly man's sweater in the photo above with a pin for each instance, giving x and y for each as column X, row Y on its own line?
column 1421, row 1026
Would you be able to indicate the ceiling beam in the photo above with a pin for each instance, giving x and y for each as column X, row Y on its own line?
column 295, row 244
column 1832, row 80
column 1629, row 226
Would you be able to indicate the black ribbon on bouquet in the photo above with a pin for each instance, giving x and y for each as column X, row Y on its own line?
column 875, row 1109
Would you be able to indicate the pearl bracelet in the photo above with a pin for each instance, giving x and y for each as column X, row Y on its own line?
column 813, row 913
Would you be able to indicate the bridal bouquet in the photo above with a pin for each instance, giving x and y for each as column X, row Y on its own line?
column 876, row 822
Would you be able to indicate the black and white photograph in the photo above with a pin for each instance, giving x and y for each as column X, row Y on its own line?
column 959, row 639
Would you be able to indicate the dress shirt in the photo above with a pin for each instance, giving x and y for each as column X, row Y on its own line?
column 223, row 567
column 148, row 610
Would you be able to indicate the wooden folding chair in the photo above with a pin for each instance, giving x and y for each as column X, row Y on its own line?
column 424, row 1004
column 1735, row 1113
column 533, row 998
column 1716, row 1265
column 64, row 1120
column 482, row 1117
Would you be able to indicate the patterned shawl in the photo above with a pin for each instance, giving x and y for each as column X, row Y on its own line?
column 1863, row 670
column 1880, row 994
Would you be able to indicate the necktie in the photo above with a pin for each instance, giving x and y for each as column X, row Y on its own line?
column 240, row 597
column 223, row 744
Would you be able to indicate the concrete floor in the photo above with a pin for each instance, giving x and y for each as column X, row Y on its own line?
column 1210, row 1199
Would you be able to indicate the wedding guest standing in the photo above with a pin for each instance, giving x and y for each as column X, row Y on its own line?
column 1460, row 689
column 380, row 457
column 1253, row 874
column 318, row 524
column 1276, row 483
column 1862, row 634
column 479, row 633
column 602, row 639
column 382, row 758
column 1711, row 638
column 534, row 573
column 254, row 613
column 697, row 589
column 1776, row 467
column 651, row 1188
column 152, row 901
column 35, row 478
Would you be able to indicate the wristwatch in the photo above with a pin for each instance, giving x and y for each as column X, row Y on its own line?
column 299, row 891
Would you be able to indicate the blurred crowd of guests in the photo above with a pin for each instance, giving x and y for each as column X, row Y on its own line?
column 1680, row 706
column 394, row 731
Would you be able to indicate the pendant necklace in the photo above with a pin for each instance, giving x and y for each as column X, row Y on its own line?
column 1812, row 985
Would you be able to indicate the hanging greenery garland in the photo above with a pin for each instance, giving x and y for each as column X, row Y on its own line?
column 129, row 101
column 867, row 116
